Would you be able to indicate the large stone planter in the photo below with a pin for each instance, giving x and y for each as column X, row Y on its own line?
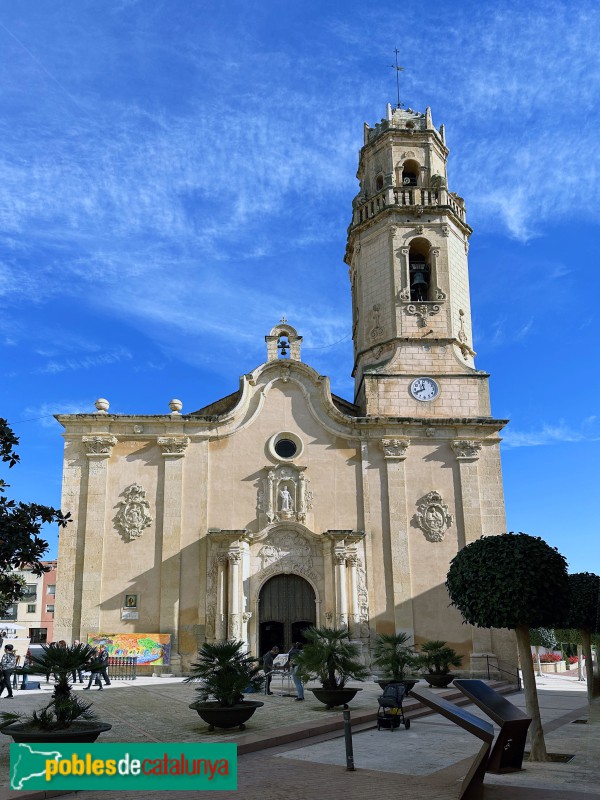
column 335, row 697
column 554, row 666
column 438, row 680
column 407, row 683
column 77, row 733
column 226, row 716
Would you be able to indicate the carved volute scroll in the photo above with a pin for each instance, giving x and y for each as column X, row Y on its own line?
column 395, row 448
column 173, row 446
column 422, row 311
column 134, row 513
column 100, row 445
column 466, row 449
column 283, row 495
column 433, row 517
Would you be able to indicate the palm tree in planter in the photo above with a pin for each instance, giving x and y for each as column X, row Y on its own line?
column 395, row 658
column 435, row 658
column 329, row 656
column 66, row 718
column 225, row 671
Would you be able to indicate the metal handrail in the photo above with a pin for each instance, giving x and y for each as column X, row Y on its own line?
column 497, row 667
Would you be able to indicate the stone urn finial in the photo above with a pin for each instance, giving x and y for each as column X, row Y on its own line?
column 175, row 406
column 102, row 405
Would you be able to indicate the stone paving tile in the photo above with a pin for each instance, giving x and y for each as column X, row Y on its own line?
column 159, row 712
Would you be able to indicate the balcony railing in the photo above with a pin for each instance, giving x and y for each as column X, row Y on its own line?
column 410, row 197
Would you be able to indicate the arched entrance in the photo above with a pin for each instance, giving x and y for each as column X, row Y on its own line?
column 286, row 607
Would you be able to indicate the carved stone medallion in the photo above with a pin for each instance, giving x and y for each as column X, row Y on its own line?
column 134, row 514
column 432, row 517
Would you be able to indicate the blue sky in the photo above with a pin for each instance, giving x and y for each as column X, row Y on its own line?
column 175, row 176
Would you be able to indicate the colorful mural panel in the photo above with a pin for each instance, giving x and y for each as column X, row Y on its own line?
column 150, row 648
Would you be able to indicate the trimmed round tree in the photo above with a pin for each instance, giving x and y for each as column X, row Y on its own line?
column 512, row 581
column 583, row 616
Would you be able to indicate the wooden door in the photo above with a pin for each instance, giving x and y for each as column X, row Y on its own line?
column 286, row 607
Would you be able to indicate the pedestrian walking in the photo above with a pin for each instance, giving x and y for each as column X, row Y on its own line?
column 8, row 663
column 268, row 667
column 77, row 673
column 95, row 669
column 293, row 666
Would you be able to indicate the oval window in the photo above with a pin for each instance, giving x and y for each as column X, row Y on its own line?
column 285, row 448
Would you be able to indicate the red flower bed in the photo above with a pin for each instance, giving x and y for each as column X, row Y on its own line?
column 550, row 658
column 573, row 660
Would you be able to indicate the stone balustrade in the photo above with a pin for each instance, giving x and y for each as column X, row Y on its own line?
column 411, row 197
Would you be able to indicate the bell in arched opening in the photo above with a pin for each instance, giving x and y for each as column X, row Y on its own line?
column 419, row 278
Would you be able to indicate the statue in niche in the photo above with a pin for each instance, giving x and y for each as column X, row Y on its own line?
column 286, row 499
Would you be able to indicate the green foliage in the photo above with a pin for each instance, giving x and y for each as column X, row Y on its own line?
column 225, row 671
column 331, row 657
column 436, row 658
column 57, row 715
column 20, row 527
column 509, row 581
column 62, row 662
column 393, row 656
column 585, row 599
column 543, row 637
column 64, row 708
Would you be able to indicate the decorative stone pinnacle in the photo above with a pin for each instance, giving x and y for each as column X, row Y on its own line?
column 175, row 406
column 102, row 405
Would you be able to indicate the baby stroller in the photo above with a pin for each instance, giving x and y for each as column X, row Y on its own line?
column 390, row 713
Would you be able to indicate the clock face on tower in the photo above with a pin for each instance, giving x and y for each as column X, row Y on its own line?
column 424, row 389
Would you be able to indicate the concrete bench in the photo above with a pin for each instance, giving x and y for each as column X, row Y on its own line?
column 508, row 749
column 472, row 785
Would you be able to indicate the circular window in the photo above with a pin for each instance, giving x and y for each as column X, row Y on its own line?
column 285, row 448
column 285, row 445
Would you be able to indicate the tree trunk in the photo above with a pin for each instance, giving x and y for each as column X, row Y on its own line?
column 538, row 662
column 589, row 665
column 579, row 662
column 536, row 732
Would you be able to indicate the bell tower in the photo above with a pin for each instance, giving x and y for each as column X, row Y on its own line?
column 407, row 253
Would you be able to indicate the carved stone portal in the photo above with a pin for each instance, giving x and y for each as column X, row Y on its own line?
column 432, row 517
column 134, row 514
column 283, row 495
column 286, row 552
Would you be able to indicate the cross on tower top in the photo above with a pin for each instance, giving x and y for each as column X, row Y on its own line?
column 398, row 71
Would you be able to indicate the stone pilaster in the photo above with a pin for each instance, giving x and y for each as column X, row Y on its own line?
column 234, row 622
column 367, row 526
column 173, row 449
column 354, row 606
column 98, row 450
column 467, row 455
column 341, row 591
column 395, row 452
column 221, row 608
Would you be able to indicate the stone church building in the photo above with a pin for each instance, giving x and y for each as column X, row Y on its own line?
column 283, row 505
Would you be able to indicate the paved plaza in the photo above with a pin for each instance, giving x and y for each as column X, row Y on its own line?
column 278, row 760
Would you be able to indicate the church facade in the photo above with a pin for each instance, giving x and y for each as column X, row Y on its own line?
column 283, row 505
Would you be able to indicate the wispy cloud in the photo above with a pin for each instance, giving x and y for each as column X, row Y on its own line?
column 549, row 434
column 86, row 362
column 44, row 413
